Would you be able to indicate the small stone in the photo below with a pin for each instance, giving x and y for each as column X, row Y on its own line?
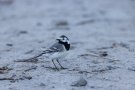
column 29, row 77
column 103, row 54
column 132, row 68
column 23, row 32
column 6, row 2
column 42, row 84
column 9, row 44
column 39, row 24
column 62, row 23
column 79, row 83
column 111, row 67
column 92, row 86
column 53, row 86
column 25, row 77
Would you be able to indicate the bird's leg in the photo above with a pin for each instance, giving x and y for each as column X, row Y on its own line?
column 60, row 64
column 54, row 64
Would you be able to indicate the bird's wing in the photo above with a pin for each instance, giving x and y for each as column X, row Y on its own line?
column 55, row 48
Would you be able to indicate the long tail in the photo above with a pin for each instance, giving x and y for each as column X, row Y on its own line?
column 44, row 52
column 39, row 55
column 34, row 59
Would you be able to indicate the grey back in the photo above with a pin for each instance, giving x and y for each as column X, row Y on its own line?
column 55, row 48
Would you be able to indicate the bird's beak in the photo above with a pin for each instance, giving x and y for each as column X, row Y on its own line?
column 58, row 39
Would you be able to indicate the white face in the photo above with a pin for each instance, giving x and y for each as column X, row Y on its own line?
column 64, row 39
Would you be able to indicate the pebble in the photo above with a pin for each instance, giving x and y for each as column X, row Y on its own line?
column 79, row 83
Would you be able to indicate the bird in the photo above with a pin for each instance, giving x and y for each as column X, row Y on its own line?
column 58, row 50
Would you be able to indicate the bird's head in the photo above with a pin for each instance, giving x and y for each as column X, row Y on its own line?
column 64, row 40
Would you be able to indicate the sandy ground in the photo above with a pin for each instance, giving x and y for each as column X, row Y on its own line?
column 102, row 35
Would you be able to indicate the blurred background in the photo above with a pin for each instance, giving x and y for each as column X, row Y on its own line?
column 28, row 27
column 32, row 24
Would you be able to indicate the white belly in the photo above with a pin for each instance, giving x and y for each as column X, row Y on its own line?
column 59, row 55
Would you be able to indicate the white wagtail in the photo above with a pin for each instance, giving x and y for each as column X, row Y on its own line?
column 58, row 50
